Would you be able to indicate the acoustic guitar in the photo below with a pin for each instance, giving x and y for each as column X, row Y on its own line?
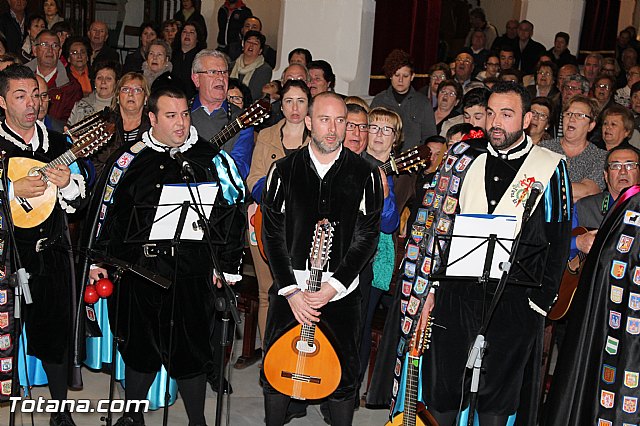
column 413, row 412
column 410, row 161
column 253, row 114
column 302, row 363
column 569, row 283
column 31, row 212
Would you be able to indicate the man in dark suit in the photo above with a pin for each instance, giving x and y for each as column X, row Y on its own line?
column 528, row 50
column 98, row 35
column 12, row 25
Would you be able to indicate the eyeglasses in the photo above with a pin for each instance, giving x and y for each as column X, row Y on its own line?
column 573, row 88
column 628, row 165
column 603, row 86
column 577, row 115
column 633, row 74
column 448, row 94
column 221, row 73
column 352, row 126
column 544, row 73
column 464, row 61
column 43, row 96
column 47, row 45
column 235, row 99
column 386, row 130
column 131, row 90
column 78, row 53
column 539, row 115
column 438, row 77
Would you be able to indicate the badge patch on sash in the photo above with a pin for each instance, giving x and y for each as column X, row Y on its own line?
column 6, row 364
column 608, row 374
column 460, row 148
column 426, row 265
column 137, row 147
column 633, row 325
column 5, row 387
column 618, row 269
column 630, row 404
column 4, row 319
column 634, row 301
column 614, row 319
column 616, row 294
column 406, row 325
column 428, row 198
column 463, row 163
column 437, row 201
column 448, row 164
column 421, row 285
column 429, row 221
column 602, row 422
column 116, row 173
column 414, row 304
column 624, row 243
column 443, row 225
column 421, row 216
column 417, row 232
column 607, row 398
column 631, row 379
column 5, row 342
column 443, row 184
column 406, row 288
column 454, row 185
column 450, row 204
column 612, row 345
column 91, row 314
column 403, row 306
column 400, row 349
column 3, row 297
column 395, row 387
column 398, row 370
column 632, row 218
column 409, row 269
column 412, row 251
column 125, row 160
column 108, row 193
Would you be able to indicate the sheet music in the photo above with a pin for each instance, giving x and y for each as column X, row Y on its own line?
column 479, row 225
column 169, row 207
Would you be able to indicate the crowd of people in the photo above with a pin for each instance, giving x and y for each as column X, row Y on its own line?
column 505, row 112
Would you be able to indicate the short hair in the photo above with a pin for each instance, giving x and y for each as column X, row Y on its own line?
column 623, row 146
column 524, row 21
column 584, row 83
column 196, row 26
column 592, row 104
column 66, row 47
column 441, row 66
column 31, row 19
column 453, row 83
column 594, row 55
column 327, row 71
column 511, row 71
column 10, row 57
column 562, row 35
column 612, row 81
column 625, row 113
column 611, row 61
column 170, row 23
column 164, row 44
column 289, row 84
column 14, row 72
column 436, row 139
column 306, row 72
column 110, row 65
column 356, row 108
column 545, row 102
column 478, row 12
column 62, row 27
column 149, row 24
column 46, row 32
column 507, row 48
column 490, row 80
column 320, row 96
column 503, row 87
column 476, row 97
column 253, row 17
column 172, row 92
column 257, row 34
column 126, row 79
column 234, row 83
column 463, row 128
column 395, row 60
column 635, row 88
column 548, row 64
column 392, row 117
column 301, row 51
column 197, row 60
column 357, row 100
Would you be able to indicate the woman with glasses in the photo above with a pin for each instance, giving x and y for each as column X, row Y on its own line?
column 273, row 143
column 437, row 74
column 239, row 94
column 541, row 120
column 134, row 60
column 250, row 67
column 545, row 78
column 106, row 77
column 603, row 88
column 578, row 119
column 449, row 95
column 77, row 50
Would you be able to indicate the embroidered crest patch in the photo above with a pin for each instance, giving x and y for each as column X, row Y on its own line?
column 460, row 147
column 624, row 243
column 520, row 190
column 428, row 198
column 608, row 374
column 5, row 387
column 462, row 164
column 406, row 325
column 114, row 178
column 414, row 304
column 607, row 398
column 108, row 193
column 631, row 379
column 421, row 285
column 632, row 218
column 449, row 162
column 618, row 269
column 634, row 301
column 450, row 204
column 137, row 147
column 633, row 325
column 6, row 364
column 611, row 346
column 412, row 251
column 125, row 160
column 614, row 319
column 426, row 265
column 5, row 342
column 630, row 404
column 4, row 319
column 616, row 294
column 454, row 185
column 443, row 184
column 421, row 216
column 409, row 269
column 3, row 297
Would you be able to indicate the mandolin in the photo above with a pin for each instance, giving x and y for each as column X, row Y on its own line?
column 569, row 283
column 31, row 212
column 302, row 363
column 411, row 160
column 413, row 412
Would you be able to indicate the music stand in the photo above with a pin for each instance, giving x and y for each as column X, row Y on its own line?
column 476, row 353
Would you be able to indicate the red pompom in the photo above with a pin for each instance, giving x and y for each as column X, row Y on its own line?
column 104, row 287
column 90, row 294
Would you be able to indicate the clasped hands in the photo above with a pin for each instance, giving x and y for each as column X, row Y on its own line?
column 305, row 305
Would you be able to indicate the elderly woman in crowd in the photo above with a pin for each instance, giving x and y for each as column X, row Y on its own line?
column 437, row 74
column 134, row 60
column 158, row 64
column 578, row 119
column 250, row 67
column 449, row 96
column 77, row 50
column 545, row 79
column 603, row 88
column 541, row 120
column 617, row 126
column 272, row 144
column 107, row 74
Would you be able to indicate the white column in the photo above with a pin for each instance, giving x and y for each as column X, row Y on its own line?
column 552, row 16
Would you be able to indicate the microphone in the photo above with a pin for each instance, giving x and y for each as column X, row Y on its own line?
column 536, row 189
column 186, row 168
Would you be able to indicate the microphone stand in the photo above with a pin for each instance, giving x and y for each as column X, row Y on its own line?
column 226, row 304
column 476, row 354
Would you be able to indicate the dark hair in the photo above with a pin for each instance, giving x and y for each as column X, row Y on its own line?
column 46, row 32
column 478, row 96
column 356, row 109
column 511, row 71
column 509, row 87
column 14, row 72
column 436, row 138
column 62, row 26
column 112, row 65
column 441, row 66
column 234, row 83
column 395, row 60
column 506, row 48
column 453, row 83
column 31, row 19
column 612, row 81
column 327, row 71
column 478, row 12
column 554, row 68
column 254, row 17
column 545, row 102
column 463, row 128
column 620, row 147
column 563, row 35
column 296, row 83
column 172, row 92
column 149, row 24
column 257, row 34
column 66, row 47
column 171, row 22
column 635, row 88
column 300, row 50
column 524, row 21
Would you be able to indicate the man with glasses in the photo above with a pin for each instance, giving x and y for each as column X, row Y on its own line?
column 210, row 110
column 357, row 134
column 623, row 95
column 64, row 89
column 464, row 68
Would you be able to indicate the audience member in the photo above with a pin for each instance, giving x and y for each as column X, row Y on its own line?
column 35, row 24
column 63, row 30
column 13, row 25
column 541, row 120
column 98, row 35
column 231, row 17
column 449, row 96
column 592, row 67
column 629, row 60
column 623, row 95
column 250, row 67
column 464, row 68
column 603, row 91
column 135, row 59
column 300, row 55
column 617, row 127
column 491, row 67
column 272, row 89
column 574, row 84
column 545, row 82
column 107, row 75
column 252, row 23
column 51, row 10
column 510, row 36
column 507, row 57
column 169, row 31
column 188, row 13
column 478, row 21
column 182, row 57
column 357, row 127
column 78, row 51
column 560, row 53
column 528, row 50
column 512, row 75
column 474, row 110
column 239, row 94
column 437, row 74
column 321, row 77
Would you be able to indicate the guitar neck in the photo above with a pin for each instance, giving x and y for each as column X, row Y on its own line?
column 65, row 159
column 229, row 131
column 307, row 332
column 389, row 167
column 411, row 392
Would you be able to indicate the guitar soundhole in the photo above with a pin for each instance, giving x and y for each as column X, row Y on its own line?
column 301, row 346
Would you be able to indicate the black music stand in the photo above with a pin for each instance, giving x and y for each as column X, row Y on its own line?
column 476, row 352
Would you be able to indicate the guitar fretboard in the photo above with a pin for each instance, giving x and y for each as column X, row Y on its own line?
column 315, row 279
column 411, row 392
column 226, row 133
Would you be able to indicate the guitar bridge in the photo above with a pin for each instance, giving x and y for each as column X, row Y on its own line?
column 300, row 377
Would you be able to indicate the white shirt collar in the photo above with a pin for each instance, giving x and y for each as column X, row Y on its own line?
column 322, row 169
column 48, row 76
column 156, row 145
column 34, row 143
